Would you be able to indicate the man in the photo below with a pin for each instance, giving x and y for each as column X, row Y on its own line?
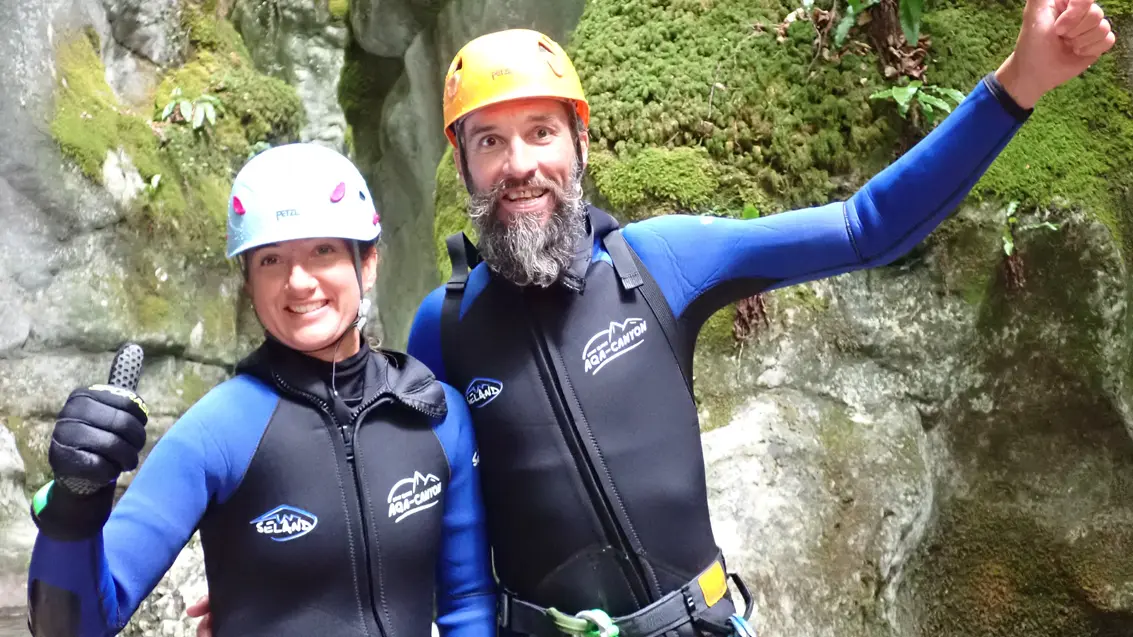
column 572, row 339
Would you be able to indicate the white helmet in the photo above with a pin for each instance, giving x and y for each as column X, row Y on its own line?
column 299, row 191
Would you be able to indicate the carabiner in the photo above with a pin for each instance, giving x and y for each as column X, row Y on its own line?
column 606, row 626
column 743, row 628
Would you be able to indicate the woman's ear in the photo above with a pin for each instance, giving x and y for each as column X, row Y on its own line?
column 370, row 267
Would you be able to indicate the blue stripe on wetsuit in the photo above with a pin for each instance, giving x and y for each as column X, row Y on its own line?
column 690, row 256
column 466, row 602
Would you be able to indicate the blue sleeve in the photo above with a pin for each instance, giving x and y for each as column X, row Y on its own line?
column 425, row 334
column 709, row 262
column 110, row 574
column 466, row 601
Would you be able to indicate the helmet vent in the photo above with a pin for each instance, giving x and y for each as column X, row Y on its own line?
column 339, row 192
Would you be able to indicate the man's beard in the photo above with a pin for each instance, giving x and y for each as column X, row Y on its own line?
column 524, row 249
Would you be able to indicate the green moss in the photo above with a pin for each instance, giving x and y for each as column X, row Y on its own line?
column 777, row 123
column 339, row 9
column 717, row 409
column 450, row 204
column 967, row 253
column 994, row 572
column 193, row 388
column 187, row 209
column 363, row 84
column 88, row 121
column 654, row 181
column 208, row 32
column 798, row 296
column 1078, row 144
column 716, row 333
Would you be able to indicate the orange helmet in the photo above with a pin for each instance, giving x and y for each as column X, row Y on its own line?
column 508, row 65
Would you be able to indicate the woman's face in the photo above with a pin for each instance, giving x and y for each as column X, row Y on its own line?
column 305, row 293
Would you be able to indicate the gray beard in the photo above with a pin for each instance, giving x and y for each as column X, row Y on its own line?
column 525, row 250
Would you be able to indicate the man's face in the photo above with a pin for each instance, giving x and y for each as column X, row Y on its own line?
column 526, row 182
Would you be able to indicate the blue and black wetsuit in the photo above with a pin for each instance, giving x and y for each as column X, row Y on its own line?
column 581, row 396
column 317, row 516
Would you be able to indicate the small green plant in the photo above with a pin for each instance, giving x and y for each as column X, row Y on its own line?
column 750, row 211
column 928, row 100
column 1014, row 261
column 910, row 12
column 1011, row 227
column 198, row 111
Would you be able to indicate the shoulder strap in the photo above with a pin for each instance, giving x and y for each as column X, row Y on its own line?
column 634, row 274
column 464, row 257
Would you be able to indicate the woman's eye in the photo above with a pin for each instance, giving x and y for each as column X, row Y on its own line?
column 269, row 260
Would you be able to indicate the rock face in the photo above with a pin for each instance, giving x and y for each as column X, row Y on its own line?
column 301, row 43
column 78, row 278
column 923, row 450
column 400, row 54
column 941, row 447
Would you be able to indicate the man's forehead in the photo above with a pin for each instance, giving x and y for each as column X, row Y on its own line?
column 523, row 110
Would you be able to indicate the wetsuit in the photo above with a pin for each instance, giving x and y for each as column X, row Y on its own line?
column 581, row 393
column 317, row 516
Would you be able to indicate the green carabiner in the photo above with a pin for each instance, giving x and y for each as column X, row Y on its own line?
column 586, row 623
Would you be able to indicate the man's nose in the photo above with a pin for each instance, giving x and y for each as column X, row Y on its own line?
column 521, row 162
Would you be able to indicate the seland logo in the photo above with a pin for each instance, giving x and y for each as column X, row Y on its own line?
column 285, row 523
column 611, row 343
column 482, row 391
column 413, row 495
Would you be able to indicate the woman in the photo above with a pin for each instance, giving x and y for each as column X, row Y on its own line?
column 334, row 485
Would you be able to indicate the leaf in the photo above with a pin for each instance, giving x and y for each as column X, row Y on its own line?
column 956, row 96
column 210, row 114
column 934, row 101
column 882, row 94
column 1008, row 242
column 186, row 109
column 176, row 92
column 911, row 11
column 198, row 117
column 903, row 94
column 1046, row 225
column 154, row 181
column 750, row 211
column 1011, row 207
column 843, row 28
column 168, row 110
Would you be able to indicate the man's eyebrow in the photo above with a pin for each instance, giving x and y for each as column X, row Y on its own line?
column 534, row 118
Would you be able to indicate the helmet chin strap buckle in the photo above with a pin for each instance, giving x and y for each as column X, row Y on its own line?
column 363, row 313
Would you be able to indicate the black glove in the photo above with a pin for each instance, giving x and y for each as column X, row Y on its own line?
column 98, row 435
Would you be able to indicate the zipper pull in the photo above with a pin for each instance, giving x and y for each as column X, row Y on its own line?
column 348, row 439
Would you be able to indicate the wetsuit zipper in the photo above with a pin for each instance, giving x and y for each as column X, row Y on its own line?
column 348, row 430
column 599, row 499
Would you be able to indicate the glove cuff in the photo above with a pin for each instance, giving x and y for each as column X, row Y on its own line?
column 65, row 516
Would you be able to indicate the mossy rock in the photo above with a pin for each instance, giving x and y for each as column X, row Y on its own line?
column 450, row 203
column 185, row 207
column 1077, row 145
column 777, row 123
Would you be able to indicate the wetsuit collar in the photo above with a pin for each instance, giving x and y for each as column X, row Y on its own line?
column 386, row 374
column 598, row 223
